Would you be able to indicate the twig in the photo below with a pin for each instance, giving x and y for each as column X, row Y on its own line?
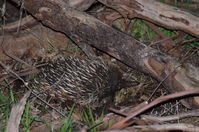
column 121, row 112
column 127, row 121
column 169, row 127
column 20, row 16
column 59, row 81
column 194, row 113
column 162, row 82
column 163, row 40
column 169, row 109
column 7, row 68
column 14, row 57
column 118, row 112
column 155, row 29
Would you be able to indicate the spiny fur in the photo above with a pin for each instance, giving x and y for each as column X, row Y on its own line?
column 82, row 80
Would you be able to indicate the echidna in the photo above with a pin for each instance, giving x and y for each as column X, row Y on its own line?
column 83, row 81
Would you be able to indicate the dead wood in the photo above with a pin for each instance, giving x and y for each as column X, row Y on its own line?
column 16, row 114
column 168, row 127
column 83, row 28
column 190, row 5
column 158, row 13
column 129, row 119
column 160, row 119
column 83, row 5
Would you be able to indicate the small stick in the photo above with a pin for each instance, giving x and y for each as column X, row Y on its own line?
column 194, row 113
column 162, row 83
column 118, row 112
column 127, row 121
column 169, row 127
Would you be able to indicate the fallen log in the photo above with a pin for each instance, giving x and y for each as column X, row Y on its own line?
column 158, row 13
column 83, row 28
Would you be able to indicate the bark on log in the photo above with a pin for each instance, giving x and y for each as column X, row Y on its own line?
column 83, row 5
column 83, row 28
column 80, row 5
column 158, row 13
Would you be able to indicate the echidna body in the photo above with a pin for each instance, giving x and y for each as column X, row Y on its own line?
column 83, row 81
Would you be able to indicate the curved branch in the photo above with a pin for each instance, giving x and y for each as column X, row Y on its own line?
column 158, row 13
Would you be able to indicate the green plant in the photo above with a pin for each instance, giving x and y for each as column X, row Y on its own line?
column 27, row 118
column 191, row 45
column 67, row 126
column 6, row 102
column 90, row 121
column 142, row 32
column 71, row 47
